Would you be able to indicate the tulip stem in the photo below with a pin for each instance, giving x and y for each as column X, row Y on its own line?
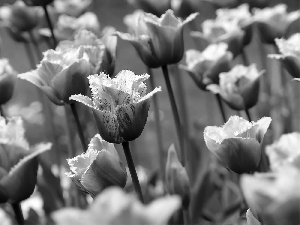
column 79, row 127
column 244, row 57
column 248, row 114
column 175, row 112
column 219, row 100
column 18, row 212
column 134, row 177
column 157, row 126
column 50, row 26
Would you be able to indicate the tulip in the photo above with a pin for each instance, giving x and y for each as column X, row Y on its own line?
column 285, row 151
column 98, row 168
column 7, row 81
column 237, row 144
column 239, row 87
column 158, row 41
column 63, row 73
column 177, row 180
column 114, row 206
column 274, row 22
column 205, row 67
column 19, row 17
column 274, row 196
column 289, row 54
column 72, row 8
column 216, row 31
column 37, row 2
column 120, row 105
column 156, row 7
column 18, row 161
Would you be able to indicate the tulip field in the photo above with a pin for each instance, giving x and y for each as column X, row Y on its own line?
column 141, row 112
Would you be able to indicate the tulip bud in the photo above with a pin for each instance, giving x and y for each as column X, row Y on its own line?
column 237, row 144
column 7, row 81
column 98, row 168
column 120, row 105
column 177, row 180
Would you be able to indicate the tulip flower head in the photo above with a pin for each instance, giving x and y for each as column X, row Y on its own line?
column 114, row 206
column 7, row 81
column 98, row 168
column 120, row 105
column 71, row 7
column 238, row 87
column 158, row 41
column 285, row 151
column 274, row 22
column 61, row 74
column 205, row 67
column 289, row 54
column 18, row 161
column 274, row 196
column 237, row 144
column 216, row 31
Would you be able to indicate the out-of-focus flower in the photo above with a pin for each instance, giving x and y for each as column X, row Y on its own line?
column 177, row 180
column 239, row 15
column 158, row 41
column 285, row 151
column 37, row 2
column 72, row 7
column 290, row 54
column 274, row 197
column 61, row 74
column 274, row 22
column 120, row 105
column 239, row 87
column 216, row 31
column 18, row 161
column 67, row 26
column 237, row 144
column 156, row 7
column 205, row 67
column 7, row 81
column 19, row 17
column 98, row 168
column 132, row 21
column 4, row 218
column 114, row 206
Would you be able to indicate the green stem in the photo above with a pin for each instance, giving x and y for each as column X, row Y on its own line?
column 175, row 112
column 79, row 128
column 244, row 57
column 157, row 126
column 50, row 27
column 248, row 114
column 134, row 177
column 18, row 212
column 220, row 104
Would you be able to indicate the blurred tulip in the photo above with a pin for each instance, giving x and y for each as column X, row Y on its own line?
column 205, row 67
column 72, row 8
column 237, row 144
column 18, row 161
column 98, row 168
column 284, row 151
column 37, row 2
column 274, row 196
column 7, row 81
column 290, row 54
column 132, row 22
column 67, row 26
column 239, row 87
column 158, row 41
column 61, row 74
column 274, row 22
column 114, row 206
column 19, row 17
column 120, row 105
column 177, row 180
column 216, row 31
column 156, row 7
